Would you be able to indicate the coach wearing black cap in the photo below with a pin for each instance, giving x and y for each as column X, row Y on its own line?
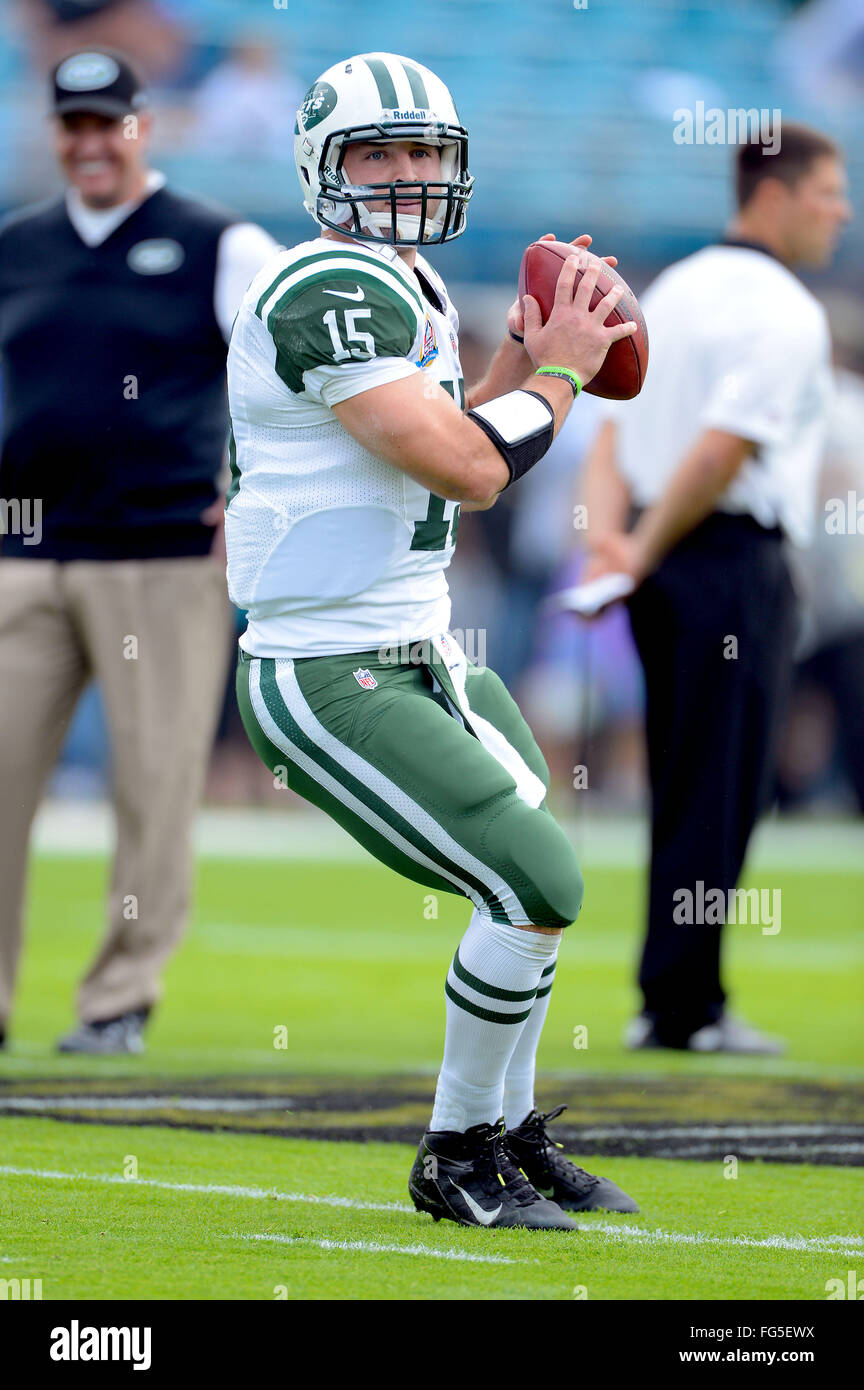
column 719, row 458
column 116, row 302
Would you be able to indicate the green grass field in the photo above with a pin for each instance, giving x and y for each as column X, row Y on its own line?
column 319, row 975
column 704, row 1237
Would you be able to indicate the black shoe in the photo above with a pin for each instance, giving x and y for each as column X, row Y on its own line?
column 471, row 1178
column 554, row 1176
column 108, row 1036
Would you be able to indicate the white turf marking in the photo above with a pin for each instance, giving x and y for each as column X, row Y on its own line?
column 778, row 1131
column 828, row 1245
column 219, row 1189
column 831, row 1245
column 376, row 1247
column 86, row 827
column 761, row 1150
column 235, row 1104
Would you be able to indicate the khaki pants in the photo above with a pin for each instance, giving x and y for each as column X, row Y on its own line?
column 155, row 635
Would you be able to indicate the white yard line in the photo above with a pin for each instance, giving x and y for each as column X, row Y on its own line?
column 230, row 1104
column 207, row 1189
column 377, row 1247
column 832, row 1245
column 744, row 1131
column 825, row 1245
column 86, row 827
column 757, row 1149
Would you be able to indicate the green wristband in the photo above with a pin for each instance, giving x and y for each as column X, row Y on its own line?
column 565, row 373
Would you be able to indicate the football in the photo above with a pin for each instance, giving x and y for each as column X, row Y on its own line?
column 623, row 372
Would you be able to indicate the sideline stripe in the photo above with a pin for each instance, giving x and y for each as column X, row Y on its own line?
column 730, row 1131
column 72, row 827
column 799, row 1142
column 831, row 1245
column 851, row 1135
column 377, row 1247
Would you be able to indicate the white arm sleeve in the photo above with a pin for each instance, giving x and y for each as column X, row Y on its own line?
column 243, row 249
column 334, row 384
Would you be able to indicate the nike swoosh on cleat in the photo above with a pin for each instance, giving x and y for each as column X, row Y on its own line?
column 484, row 1217
column 545, row 1191
column 343, row 294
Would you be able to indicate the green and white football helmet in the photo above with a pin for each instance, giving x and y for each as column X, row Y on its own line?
column 381, row 97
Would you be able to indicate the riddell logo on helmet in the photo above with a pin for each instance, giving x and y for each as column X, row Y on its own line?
column 422, row 115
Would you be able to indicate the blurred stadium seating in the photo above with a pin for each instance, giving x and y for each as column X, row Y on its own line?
column 569, row 113
column 571, row 118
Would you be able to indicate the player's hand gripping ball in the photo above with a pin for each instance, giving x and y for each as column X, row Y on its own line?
column 623, row 371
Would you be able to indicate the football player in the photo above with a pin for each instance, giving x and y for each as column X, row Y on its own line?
column 354, row 446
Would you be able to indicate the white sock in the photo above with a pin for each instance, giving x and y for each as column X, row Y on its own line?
column 519, row 1080
column 496, row 971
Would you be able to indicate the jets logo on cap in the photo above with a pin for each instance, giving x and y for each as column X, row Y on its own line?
column 87, row 72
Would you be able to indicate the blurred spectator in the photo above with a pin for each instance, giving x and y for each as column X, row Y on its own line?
column 823, row 743
column 145, row 30
column 116, row 302
column 822, row 51
column 246, row 105
column 719, row 457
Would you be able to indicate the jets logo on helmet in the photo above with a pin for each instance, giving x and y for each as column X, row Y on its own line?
column 318, row 104
column 372, row 98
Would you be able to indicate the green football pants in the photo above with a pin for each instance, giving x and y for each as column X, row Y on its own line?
column 410, row 781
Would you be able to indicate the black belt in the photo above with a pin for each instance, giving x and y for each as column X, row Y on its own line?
column 741, row 521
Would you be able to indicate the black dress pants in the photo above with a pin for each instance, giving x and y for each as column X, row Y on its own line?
column 715, row 628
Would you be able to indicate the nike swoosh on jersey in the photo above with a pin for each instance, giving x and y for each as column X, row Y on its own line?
column 484, row 1217
column 344, row 294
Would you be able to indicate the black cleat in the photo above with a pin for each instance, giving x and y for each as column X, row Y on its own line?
column 471, row 1178
column 554, row 1176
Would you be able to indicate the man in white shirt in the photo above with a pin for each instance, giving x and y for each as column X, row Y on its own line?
column 718, row 458
column 116, row 303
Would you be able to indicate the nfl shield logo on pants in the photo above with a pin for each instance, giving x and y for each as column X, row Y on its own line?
column 363, row 676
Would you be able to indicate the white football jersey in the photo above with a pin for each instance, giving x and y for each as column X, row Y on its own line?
column 331, row 549
column 737, row 344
